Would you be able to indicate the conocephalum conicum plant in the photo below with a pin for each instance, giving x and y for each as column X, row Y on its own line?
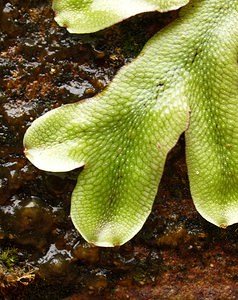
column 185, row 79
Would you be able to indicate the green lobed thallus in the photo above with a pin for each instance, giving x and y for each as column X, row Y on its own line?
column 184, row 79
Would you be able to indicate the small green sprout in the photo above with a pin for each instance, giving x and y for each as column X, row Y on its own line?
column 9, row 257
column 185, row 79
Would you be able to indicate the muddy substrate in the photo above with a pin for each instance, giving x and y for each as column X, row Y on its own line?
column 177, row 254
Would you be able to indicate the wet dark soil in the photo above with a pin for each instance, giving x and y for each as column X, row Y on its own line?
column 177, row 254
